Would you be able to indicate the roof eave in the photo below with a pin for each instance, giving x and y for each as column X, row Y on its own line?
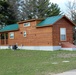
column 69, row 20
column 9, row 31
column 30, row 20
column 44, row 26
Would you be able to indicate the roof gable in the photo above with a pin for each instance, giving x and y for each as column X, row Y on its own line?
column 51, row 20
column 10, row 28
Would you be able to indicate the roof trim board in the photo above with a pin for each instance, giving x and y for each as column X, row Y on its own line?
column 30, row 20
column 69, row 20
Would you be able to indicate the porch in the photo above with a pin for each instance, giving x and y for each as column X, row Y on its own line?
column 3, row 39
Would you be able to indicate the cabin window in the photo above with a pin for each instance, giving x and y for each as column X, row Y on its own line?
column 24, row 33
column 26, row 24
column 12, row 35
column 63, row 34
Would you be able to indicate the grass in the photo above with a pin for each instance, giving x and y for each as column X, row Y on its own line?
column 24, row 62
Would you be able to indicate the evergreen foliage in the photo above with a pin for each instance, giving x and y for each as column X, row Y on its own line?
column 39, row 9
column 6, row 13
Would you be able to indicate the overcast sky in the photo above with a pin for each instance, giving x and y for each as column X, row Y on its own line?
column 62, row 4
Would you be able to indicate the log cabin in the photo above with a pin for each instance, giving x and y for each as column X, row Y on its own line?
column 38, row 34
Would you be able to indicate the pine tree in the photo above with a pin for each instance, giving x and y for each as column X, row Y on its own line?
column 6, row 13
column 15, row 7
column 53, row 10
column 39, row 9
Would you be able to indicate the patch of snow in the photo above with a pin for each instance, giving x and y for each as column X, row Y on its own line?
column 65, row 61
column 55, row 63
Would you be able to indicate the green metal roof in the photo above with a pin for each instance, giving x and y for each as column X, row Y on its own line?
column 49, row 21
column 10, row 28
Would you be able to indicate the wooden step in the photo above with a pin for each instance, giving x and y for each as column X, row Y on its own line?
column 67, row 45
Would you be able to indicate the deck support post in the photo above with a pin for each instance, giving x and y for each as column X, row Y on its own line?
column 5, row 38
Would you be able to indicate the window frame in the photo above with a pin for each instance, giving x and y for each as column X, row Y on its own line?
column 23, row 33
column 26, row 25
column 63, row 34
column 13, row 35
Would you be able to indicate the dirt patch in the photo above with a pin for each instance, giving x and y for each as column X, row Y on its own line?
column 66, row 55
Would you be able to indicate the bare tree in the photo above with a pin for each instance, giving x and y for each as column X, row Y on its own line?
column 71, row 10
